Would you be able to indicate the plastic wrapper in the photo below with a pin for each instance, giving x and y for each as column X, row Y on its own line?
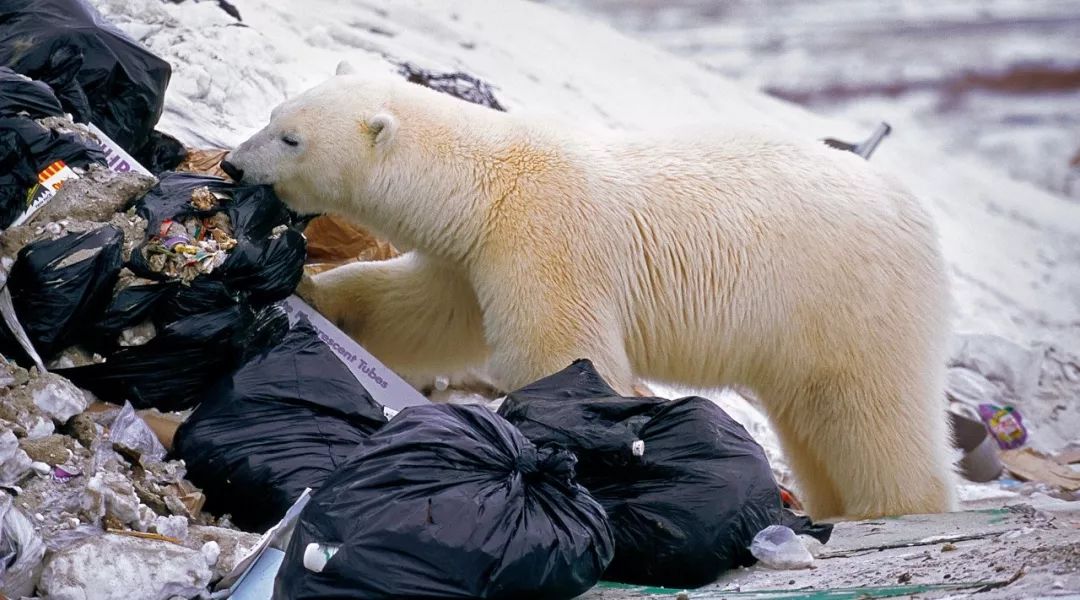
column 448, row 501
column 685, row 486
column 281, row 423
column 100, row 75
column 777, row 547
column 129, row 431
column 21, row 551
column 61, row 286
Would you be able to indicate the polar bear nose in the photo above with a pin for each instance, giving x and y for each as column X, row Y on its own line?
column 232, row 171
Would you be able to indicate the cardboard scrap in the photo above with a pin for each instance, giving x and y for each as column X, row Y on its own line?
column 334, row 240
column 204, row 162
column 1029, row 465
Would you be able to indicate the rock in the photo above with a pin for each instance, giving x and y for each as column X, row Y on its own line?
column 95, row 196
column 52, row 449
column 14, row 462
column 211, row 552
column 11, row 374
column 118, row 567
column 174, row 526
column 57, row 397
column 82, row 428
column 111, row 495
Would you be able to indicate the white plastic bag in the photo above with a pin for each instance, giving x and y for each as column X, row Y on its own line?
column 777, row 547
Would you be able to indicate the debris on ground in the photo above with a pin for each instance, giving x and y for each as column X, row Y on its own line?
column 458, row 84
column 125, row 567
column 777, row 547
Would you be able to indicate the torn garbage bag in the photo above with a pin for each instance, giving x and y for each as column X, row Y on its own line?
column 100, row 75
column 170, row 371
column 281, row 423
column 448, row 501
column 685, row 486
column 59, row 287
column 202, row 226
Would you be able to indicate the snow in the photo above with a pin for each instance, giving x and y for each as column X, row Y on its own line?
column 1013, row 248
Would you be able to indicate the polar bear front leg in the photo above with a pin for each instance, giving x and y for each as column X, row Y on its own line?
column 416, row 315
column 534, row 332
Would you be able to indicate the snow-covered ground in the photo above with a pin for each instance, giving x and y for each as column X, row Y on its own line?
column 1013, row 247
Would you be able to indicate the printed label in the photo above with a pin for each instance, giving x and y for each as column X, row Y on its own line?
column 383, row 384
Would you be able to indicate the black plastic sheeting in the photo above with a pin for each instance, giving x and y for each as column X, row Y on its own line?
column 60, row 286
column 450, row 502
column 174, row 368
column 26, row 148
column 685, row 510
column 99, row 74
column 20, row 94
column 281, row 423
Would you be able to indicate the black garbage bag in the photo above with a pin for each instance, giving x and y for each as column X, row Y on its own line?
column 685, row 486
column 264, row 266
column 281, row 423
column 449, row 502
column 59, row 287
column 173, row 369
column 100, row 74
column 26, row 149
column 161, row 152
column 20, row 94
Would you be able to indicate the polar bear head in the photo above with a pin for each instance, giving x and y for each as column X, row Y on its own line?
column 319, row 146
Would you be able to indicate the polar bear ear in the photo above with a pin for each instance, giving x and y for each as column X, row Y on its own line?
column 345, row 68
column 383, row 126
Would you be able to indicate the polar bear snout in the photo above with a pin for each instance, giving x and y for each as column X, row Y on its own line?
column 233, row 171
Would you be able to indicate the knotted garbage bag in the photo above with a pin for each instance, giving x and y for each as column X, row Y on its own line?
column 281, row 423
column 685, row 486
column 448, row 501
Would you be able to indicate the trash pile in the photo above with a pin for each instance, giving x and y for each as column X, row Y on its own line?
column 165, row 403
column 1013, row 424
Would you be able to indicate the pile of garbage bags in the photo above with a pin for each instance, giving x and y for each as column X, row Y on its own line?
column 567, row 484
column 169, row 303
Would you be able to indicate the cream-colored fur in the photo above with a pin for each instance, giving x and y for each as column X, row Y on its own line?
column 702, row 258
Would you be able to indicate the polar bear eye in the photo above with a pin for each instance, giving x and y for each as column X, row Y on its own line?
column 290, row 141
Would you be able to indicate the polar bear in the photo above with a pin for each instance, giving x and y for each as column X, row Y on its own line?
column 701, row 258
